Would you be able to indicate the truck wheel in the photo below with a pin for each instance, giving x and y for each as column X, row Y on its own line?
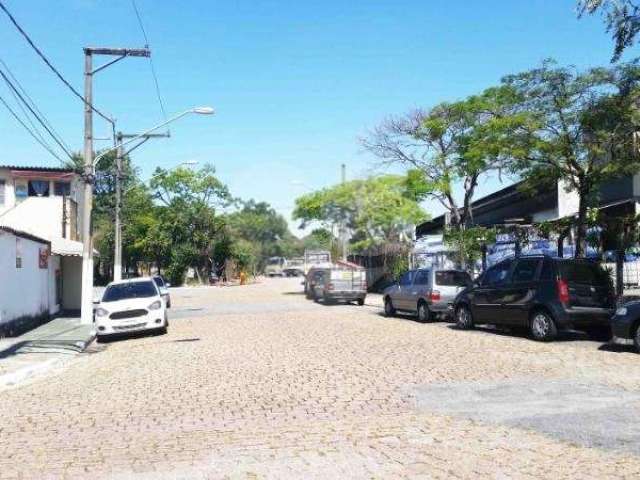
column 542, row 326
column 464, row 318
column 424, row 315
column 361, row 301
column 389, row 311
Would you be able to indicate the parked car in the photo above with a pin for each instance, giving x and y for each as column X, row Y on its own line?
column 427, row 292
column 275, row 267
column 163, row 286
column 338, row 283
column 131, row 305
column 294, row 267
column 625, row 324
column 542, row 294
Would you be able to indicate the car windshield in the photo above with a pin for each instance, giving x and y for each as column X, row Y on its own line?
column 583, row 272
column 452, row 278
column 125, row 291
column 274, row 261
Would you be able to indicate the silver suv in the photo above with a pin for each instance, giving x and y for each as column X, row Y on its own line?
column 426, row 292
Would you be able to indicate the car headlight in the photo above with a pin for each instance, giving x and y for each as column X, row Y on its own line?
column 155, row 305
column 621, row 312
column 101, row 312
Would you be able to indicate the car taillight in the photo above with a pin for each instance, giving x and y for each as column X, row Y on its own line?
column 563, row 291
column 434, row 295
column 330, row 286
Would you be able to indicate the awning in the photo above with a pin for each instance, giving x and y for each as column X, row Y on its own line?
column 66, row 247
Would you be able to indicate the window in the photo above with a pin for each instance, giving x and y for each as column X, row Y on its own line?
column 62, row 189
column 124, row 291
column 422, row 277
column 453, row 278
column 526, row 270
column 2, row 184
column 497, row 274
column 583, row 272
column 406, row 279
column 547, row 270
column 38, row 188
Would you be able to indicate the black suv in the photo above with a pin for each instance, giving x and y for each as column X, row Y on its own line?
column 541, row 293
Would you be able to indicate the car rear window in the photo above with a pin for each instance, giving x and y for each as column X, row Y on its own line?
column 124, row 291
column 452, row 278
column 582, row 272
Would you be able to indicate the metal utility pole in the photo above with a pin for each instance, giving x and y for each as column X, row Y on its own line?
column 120, row 154
column 86, row 304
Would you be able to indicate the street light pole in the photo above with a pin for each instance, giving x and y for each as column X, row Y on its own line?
column 120, row 154
column 86, row 302
column 86, row 306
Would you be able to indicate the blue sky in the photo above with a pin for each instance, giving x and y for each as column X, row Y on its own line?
column 294, row 83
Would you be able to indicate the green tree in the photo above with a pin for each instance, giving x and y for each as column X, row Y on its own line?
column 622, row 18
column 376, row 210
column 187, row 217
column 259, row 223
column 577, row 127
column 448, row 147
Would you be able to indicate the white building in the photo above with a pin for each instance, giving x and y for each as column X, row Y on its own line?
column 41, row 203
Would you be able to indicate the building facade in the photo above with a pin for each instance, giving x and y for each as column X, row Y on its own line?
column 45, row 205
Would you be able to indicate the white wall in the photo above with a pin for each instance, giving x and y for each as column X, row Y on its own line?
column 40, row 216
column 23, row 291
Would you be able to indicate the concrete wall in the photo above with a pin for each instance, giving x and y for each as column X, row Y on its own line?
column 71, row 282
column 41, row 216
column 24, row 292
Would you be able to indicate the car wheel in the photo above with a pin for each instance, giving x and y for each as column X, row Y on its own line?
column 464, row 319
column 424, row 315
column 361, row 301
column 389, row 311
column 543, row 328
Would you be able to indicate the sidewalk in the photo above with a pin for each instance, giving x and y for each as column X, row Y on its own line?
column 42, row 349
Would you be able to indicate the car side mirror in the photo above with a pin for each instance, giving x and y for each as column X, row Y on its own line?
column 168, row 284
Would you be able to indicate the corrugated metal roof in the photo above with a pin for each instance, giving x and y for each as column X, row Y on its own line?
column 37, row 169
column 22, row 234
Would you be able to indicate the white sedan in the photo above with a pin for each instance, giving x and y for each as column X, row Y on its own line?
column 129, row 306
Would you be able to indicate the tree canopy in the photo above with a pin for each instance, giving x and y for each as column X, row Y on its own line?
column 375, row 210
column 622, row 18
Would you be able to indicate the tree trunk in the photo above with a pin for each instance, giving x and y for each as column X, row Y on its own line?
column 581, row 227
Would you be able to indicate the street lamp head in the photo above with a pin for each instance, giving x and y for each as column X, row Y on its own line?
column 203, row 110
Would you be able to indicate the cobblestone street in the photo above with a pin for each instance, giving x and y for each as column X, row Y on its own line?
column 258, row 382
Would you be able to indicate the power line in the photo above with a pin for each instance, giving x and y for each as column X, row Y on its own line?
column 33, row 104
column 151, row 65
column 37, row 117
column 41, row 142
column 50, row 65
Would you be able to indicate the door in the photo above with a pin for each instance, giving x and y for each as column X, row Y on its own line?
column 420, row 288
column 517, row 295
column 402, row 298
column 485, row 302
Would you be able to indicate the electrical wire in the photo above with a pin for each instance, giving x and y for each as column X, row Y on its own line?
column 50, row 65
column 19, row 120
column 33, row 104
column 37, row 117
column 151, row 65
